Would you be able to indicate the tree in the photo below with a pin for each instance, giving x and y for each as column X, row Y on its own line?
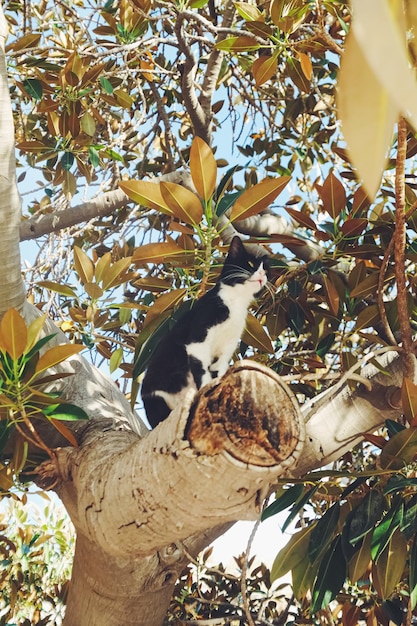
column 121, row 100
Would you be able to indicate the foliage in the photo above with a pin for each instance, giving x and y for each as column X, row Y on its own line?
column 37, row 554
column 24, row 402
column 210, row 593
column 179, row 90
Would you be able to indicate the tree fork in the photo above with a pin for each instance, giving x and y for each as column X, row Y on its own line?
column 221, row 451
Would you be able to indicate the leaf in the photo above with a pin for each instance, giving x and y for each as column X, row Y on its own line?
column 293, row 553
column 333, row 299
column 13, row 333
column 400, row 449
column 354, row 226
column 183, row 203
column 301, row 218
column 33, row 88
column 244, row 43
column 27, row 41
column 259, row 197
column 249, row 12
column 322, row 532
column 203, row 168
column 163, row 303
column 146, row 194
column 409, row 400
column 68, row 413
column 359, row 563
column 33, row 332
column 286, row 499
column 330, row 576
column 389, row 568
column 83, row 266
column 56, row 355
column 65, row 290
column 364, row 517
column 325, row 344
column 386, row 528
column 412, row 576
column 156, row 252
column 367, row 113
column 88, row 124
column 263, row 68
column 367, row 317
column 298, row 506
column 333, row 196
column 408, row 524
column 115, row 272
column 256, row 336
column 296, row 74
column 64, row 431
column 306, row 65
column 386, row 52
column 115, row 359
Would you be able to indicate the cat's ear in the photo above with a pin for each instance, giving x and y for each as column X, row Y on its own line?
column 236, row 247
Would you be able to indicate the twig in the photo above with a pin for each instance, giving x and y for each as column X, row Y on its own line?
column 408, row 357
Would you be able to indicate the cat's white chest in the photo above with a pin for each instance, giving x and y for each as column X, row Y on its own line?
column 222, row 339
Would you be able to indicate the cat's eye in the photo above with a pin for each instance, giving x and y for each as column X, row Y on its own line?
column 251, row 265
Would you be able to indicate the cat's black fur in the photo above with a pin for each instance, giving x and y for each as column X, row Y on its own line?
column 200, row 345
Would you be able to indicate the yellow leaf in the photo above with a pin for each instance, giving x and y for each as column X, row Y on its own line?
column 203, row 168
column 244, row 43
column 409, row 400
column 255, row 335
column 115, row 272
column 83, row 266
column 367, row 113
column 93, row 290
column 183, row 203
column 384, row 48
column 293, row 553
column 123, row 98
column 13, row 333
column 56, row 355
column 249, row 12
column 306, row 64
column 145, row 193
column 27, row 41
column 389, row 568
column 156, row 252
column 358, row 564
column 33, row 332
column 20, row 453
column 102, row 267
column 259, row 197
column 164, row 303
column 6, row 478
column 263, row 68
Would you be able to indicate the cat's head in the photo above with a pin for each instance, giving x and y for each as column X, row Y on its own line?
column 241, row 267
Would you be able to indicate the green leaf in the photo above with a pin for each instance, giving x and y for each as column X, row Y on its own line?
column 288, row 497
column 384, row 531
column 322, row 532
column 408, row 524
column 67, row 161
column 66, row 412
column 325, row 344
column 330, row 576
column 106, row 84
column 33, row 87
column 389, row 568
column 298, row 506
column 364, row 516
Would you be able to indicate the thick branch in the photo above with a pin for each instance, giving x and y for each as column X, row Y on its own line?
column 12, row 291
column 106, row 204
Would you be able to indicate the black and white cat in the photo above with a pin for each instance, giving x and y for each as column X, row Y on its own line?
column 200, row 345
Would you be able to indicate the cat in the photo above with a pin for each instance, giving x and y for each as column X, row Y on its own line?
column 200, row 345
